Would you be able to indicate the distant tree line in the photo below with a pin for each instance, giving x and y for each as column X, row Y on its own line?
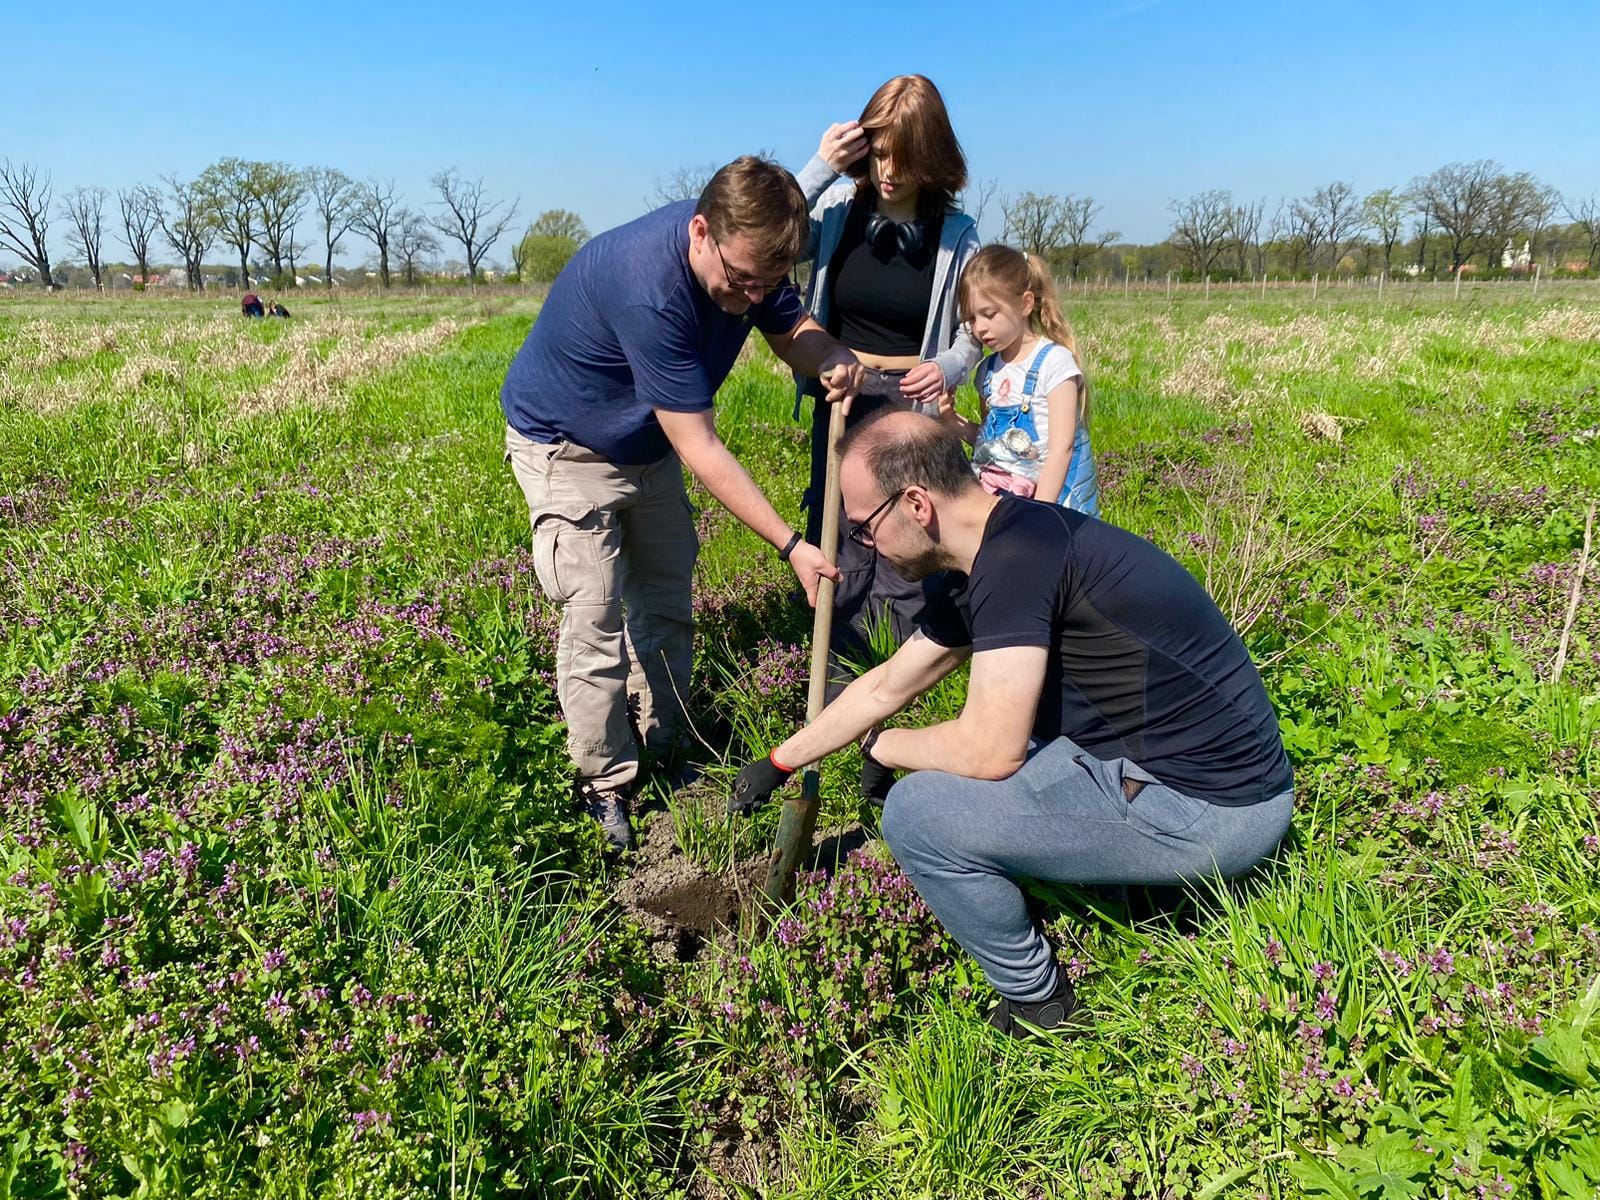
column 266, row 214
column 1464, row 215
column 270, row 217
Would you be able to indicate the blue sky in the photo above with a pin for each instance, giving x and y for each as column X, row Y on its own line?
column 583, row 106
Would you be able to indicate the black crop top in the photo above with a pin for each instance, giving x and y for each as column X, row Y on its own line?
column 879, row 299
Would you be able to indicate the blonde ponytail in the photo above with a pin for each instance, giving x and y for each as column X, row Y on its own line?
column 1049, row 320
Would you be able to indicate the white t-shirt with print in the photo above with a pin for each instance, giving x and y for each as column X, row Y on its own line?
column 1006, row 381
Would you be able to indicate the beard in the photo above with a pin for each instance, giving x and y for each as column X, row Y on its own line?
column 927, row 559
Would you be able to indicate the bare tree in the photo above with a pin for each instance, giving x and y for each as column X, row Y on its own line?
column 1516, row 201
column 230, row 186
column 190, row 226
column 1543, row 205
column 25, row 216
column 413, row 240
column 1277, row 235
column 292, row 250
column 1304, row 234
column 374, row 215
column 1585, row 214
column 1385, row 211
column 469, row 217
column 141, row 217
column 686, row 183
column 976, row 199
column 1338, row 210
column 1456, row 200
column 1244, row 231
column 85, row 211
column 520, row 249
column 280, row 193
column 1200, row 229
column 1034, row 223
column 333, row 197
column 1078, row 216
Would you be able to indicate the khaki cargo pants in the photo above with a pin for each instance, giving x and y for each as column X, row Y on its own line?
column 614, row 546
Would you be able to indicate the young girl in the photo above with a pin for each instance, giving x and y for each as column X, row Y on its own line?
column 1033, row 437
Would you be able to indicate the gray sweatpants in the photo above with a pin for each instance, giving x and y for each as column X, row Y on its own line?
column 1062, row 817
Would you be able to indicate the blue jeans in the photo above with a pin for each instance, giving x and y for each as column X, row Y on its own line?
column 1062, row 817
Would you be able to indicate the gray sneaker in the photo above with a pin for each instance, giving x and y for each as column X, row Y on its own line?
column 609, row 809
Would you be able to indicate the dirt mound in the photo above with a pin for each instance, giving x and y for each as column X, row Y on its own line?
column 683, row 908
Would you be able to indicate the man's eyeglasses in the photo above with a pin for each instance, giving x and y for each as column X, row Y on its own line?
column 861, row 532
column 739, row 283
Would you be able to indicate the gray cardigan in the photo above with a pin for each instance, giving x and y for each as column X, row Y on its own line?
column 945, row 340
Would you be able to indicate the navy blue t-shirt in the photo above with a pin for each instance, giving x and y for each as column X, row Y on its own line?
column 1143, row 664
column 627, row 329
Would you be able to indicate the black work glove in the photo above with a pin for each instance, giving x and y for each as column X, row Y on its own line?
column 756, row 781
column 876, row 779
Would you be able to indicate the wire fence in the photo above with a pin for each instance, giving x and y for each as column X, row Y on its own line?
column 1397, row 289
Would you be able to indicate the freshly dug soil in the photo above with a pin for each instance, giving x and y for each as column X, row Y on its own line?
column 683, row 908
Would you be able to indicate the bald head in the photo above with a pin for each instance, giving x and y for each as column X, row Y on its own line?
column 901, row 449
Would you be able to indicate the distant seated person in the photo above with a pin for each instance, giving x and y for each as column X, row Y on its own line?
column 251, row 305
column 278, row 310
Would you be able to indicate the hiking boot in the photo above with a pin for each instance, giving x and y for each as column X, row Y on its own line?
column 609, row 809
column 1057, row 1014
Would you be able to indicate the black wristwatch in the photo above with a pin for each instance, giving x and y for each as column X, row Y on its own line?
column 868, row 742
column 788, row 547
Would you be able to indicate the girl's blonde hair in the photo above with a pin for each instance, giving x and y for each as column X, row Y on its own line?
column 1005, row 273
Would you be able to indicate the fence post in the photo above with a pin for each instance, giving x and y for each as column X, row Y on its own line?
column 1208, row 285
column 1535, row 281
column 1169, row 287
column 1380, row 285
column 1313, row 285
column 1457, row 295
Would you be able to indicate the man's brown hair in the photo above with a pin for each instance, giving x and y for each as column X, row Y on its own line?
column 758, row 198
column 914, row 453
column 907, row 117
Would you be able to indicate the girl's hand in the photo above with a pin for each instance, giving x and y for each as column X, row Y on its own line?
column 923, row 384
column 844, row 142
column 947, row 408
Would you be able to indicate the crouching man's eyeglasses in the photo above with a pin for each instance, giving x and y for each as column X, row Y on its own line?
column 861, row 532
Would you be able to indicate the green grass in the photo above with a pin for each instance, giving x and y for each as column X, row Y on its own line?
column 281, row 772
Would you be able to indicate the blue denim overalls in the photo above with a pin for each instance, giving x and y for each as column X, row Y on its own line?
column 1009, row 440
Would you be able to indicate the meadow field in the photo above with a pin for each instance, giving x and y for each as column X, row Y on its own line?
column 293, row 901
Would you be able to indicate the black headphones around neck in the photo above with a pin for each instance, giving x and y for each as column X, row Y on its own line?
column 907, row 235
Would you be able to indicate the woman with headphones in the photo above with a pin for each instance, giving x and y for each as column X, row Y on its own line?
column 887, row 246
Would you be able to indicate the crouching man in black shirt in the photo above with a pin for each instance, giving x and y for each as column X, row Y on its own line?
column 1115, row 730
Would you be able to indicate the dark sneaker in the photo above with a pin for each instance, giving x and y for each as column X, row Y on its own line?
column 1058, row 1014
column 609, row 809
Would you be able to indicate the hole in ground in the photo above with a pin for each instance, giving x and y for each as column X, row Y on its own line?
column 703, row 905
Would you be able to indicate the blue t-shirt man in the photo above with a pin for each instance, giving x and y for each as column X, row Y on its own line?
column 627, row 330
column 606, row 402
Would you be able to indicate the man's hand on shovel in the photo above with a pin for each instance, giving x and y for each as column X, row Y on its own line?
column 842, row 375
column 811, row 566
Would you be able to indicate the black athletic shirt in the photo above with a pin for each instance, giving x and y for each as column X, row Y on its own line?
column 880, row 298
column 1145, row 666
